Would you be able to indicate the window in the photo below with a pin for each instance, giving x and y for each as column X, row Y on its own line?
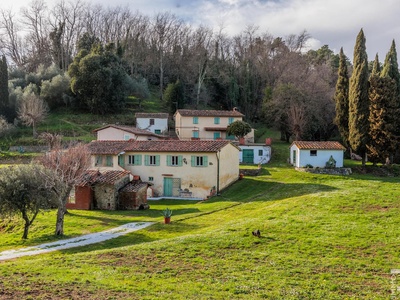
column 134, row 160
column 195, row 134
column 126, row 137
column 152, row 160
column 216, row 120
column 99, row 160
column 230, row 137
column 230, row 120
column 313, row 152
column 109, row 161
column 217, row 135
column 151, row 121
column 199, row 161
column 157, row 131
column 195, row 120
column 174, row 160
column 151, row 178
column 260, row 152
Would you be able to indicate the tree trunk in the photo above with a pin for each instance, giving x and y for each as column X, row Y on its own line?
column 60, row 221
column 62, row 209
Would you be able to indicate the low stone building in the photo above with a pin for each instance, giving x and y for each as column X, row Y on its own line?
column 108, row 190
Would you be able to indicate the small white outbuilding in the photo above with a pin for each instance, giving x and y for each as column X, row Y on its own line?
column 316, row 154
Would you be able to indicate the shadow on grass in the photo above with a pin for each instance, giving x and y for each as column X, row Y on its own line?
column 249, row 189
column 136, row 238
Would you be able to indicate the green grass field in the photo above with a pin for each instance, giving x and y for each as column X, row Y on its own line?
column 322, row 237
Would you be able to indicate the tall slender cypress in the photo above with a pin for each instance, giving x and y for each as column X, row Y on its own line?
column 391, row 69
column 376, row 67
column 358, row 99
column 342, row 99
column 4, row 97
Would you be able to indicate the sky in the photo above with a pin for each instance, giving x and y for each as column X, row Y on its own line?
column 335, row 23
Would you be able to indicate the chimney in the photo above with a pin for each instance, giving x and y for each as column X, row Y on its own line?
column 242, row 141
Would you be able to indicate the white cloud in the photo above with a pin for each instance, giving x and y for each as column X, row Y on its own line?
column 332, row 22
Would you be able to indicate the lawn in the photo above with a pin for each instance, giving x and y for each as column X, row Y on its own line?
column 322, row 237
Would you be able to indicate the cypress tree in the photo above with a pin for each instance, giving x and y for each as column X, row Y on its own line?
column 342, row 99
column 382, row 94
column 4, row 97
column 358, row 99
column 391, row 69
column 376, row 67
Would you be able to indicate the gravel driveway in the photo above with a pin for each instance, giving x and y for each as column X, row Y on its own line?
column 75, row 242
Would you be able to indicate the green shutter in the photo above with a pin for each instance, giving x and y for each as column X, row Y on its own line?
column 205, row 161
column 193, row 160
column 146, row 160
column 169, row 160
column 157, row 160
column 138, row 160
column 180, row 161
column 195, row 120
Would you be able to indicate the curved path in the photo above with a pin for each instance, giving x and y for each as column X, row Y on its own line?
column 75, row 242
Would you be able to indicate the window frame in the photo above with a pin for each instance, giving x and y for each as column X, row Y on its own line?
column 313, row 152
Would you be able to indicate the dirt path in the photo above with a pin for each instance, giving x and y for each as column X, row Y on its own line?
column 75, row 242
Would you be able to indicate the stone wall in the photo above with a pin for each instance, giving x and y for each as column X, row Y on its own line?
column 330, row 171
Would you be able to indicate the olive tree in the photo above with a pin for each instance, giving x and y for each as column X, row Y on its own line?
column 238, row 129
column 25, row 191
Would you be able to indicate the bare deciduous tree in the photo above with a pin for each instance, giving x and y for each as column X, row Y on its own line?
column 32, row 110
column 68, row 166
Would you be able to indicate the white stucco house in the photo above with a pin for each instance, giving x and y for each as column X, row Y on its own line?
column 121, row 133
column 253, row 153
column 207, row 124
column 174, row 168
column 316, row 154
column 154, row 122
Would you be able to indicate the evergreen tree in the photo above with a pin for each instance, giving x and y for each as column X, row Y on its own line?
column 376, row 66
column 358, row 99
column 174, row 96
column 4, row 96
column 342, row 99
column 382, row 94
column 391, row 69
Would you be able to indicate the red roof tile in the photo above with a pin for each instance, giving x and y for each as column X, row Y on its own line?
column 115, row 147
column 318, row 145
column 209, row 113
column 152, row 115
column 130, row 129
column 134, row 186
column 110, row 177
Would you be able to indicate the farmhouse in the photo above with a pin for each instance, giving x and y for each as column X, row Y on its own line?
column 207, row 124
column 316, row 154
column 175, row 168
column 117, row 132
column 153, row 122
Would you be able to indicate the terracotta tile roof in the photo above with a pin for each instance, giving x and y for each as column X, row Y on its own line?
column 95, row 176
column 176, row 146
column 209, row 113
column 110, row 177
column 134, row 186
column 115, row 147
column 107, row 147
column 130, row 129
column 318, row 145
column 152, row 115
column 89, row 177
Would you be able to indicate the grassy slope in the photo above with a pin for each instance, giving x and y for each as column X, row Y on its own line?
column 323, row 237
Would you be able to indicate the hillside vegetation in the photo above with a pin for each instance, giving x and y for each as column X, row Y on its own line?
column 322, row 237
